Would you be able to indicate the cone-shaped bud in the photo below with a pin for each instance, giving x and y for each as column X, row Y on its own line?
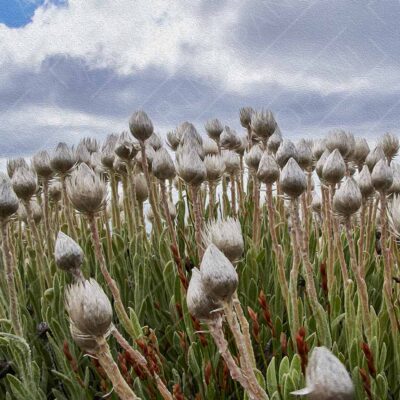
column 24, row 183
column 155, row 142
column 82, row 154
column 263, row 124
column 200, row 304
column 390, row 145
column 92, row 145
column 275, row 141
column 347, row 199
column 351, row 144
column 326, row 378
column 229, row 139
column 88, row 307
column 339, row 140
column 227, row 236
column 97, row 165
column 364, row 182
column 62, row 159
column 188, row 133
column 37, row 212
column 268, row 169
column 374, row 156
column 55, row 191
column 316, row 203
column 124, row 148
column 334, row 168
column 14, row 164
column 382, row 176
column 190, row 168
column 214, row 129
column 304, row 154
column 8, row 199
column 292, row 179
column 361, row 151
column 163, row 167
column 41, row 164
column 318, row 148
column 215, row 167
column 245, row 115
column 286, row 150
column 253, row 158
column 142, row 192
column 86, row 190
column 173, row 140
column 67, row 253
column 395, row 187
column 210, row 147
column 107, row 151
column 140, row 126
column 218, row 274
column 243, row 145
column 232, row 162
column 319, row 166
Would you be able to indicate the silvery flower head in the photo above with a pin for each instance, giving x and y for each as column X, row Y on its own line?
column 319, row 166
column 218, row 274
column 361, row 151
column 163, row 167
column 55, row 191
column 338, row 139
column 286, row 150
column 214, row 129
column 268, row 169
column 88, row 307
column 24, row 183
column 374, row 156
column 125, row 148
column 210, row 147
column 86, row 343
column 240, row 149
column 293, row 179
column 326, row 378
column 229, row 139
column 107, row 151
column 41, row 164
column 253, row 158
column 141, row 190
column 347, row 199
column 8, row 199
column 390, row 145
column 275, row 141
column 82, row 154
column 14, row 164
column 37, row 212
column 364, row 182
column 319, row 146
column 173, row 140
column 304, row 154
column 91, row 144
column 232, row 162
column 382, row 176
column 316, row 203
column 140, row 126
column 263, row 124
column 155, row 141
column 334, row 168
column 62, row 160
column 200, row 304
column 86, row 190
column 227, row 236
column 215, row 167
column 67, row 253
column 245, row 115
column 188, row 133
column 191, row 168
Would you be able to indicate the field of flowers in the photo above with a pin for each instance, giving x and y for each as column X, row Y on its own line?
column 221, row 265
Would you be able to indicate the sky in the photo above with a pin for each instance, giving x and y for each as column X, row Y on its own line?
column 70, row 69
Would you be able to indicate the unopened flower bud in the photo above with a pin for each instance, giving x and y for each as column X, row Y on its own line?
column 316, row 203
column 326, row 378
column 173, row 140
column 347, row 199
column 374, row 156
column 62, row 159
column 86, row 190
column 37, row 212
column 86, row 343
column 304, row 154
column 155, row 142
column 215, row 167
column 334, row 168
column 14, row 164
column 382, row 176
column 214, row 129
column 125, row 148
column 286, row 150
column 55, row 191
column 364, row 182
column 24, row 183
column 274, row 141
column 318, row 148
column 229, row 139
column 232, row 163
column 245, row 115
column 67, row 253
column 319, row 166
column 140, row 126
column 218, row 274
column 107, row 151
column 190, row 168
column 89, row 308
column 292, row 179
column 263, row 124
column 253, row 158
column 390, row 145
column 163, row 167
column 268, row 169
column 227, row 236
column 142, row 192
column 339, row 140
column 41, row 164
column 210, row 147
column 361, row 151
column 8, row 199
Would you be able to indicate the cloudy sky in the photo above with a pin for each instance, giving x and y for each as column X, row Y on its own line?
column 74, row 68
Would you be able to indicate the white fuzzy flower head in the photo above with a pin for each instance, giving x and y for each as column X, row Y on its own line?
column 24, row 183
column 8, row 200
column 227, row 236
column 286, row 150
column 326, row 378
column 67, row 253
column 215, row 167
column 214, row 129
column 88, row 307
column 62, row 159
column 141, row 126
column 191, row 168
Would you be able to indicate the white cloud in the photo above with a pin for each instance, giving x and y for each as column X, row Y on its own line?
column 129, row 36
